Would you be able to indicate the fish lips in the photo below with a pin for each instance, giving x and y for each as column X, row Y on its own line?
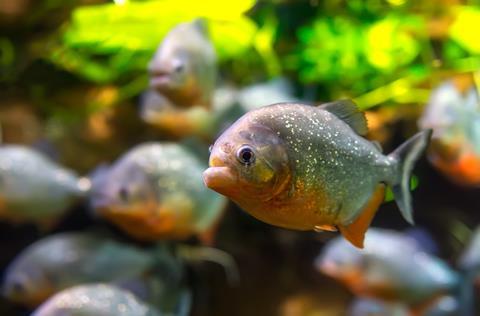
column 221, row 179
column 160, row 81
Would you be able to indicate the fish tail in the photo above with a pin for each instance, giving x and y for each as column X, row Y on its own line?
column 406, row 155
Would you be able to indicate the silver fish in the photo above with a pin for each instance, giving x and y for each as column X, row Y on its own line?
column 370, row 307
column 95, row 300
column 391, row 267
column 444, row 306
column 453, row 113
column 303, row 167
column 68, row 259
column 155, row 191
column 33, row 188
column 183, row 68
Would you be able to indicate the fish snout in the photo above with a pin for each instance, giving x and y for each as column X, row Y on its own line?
column 220, row 178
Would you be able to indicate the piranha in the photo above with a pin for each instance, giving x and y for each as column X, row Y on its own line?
column 155, row 192
column 35, row 189
column 183, row 76
column 95, row 299
column 370, row 307
column 68, row 259
column 183, row 68
column 454, row 115
column 445, row 306
column 304, row 167
column 392, row 267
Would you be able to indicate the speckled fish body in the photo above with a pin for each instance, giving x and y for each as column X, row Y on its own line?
column 155, row 191
column 95, row 299
column 183, row 68
column 312, row 170
column 454, row 117
column 391, row 267
column 66, row 259
column 32, row 188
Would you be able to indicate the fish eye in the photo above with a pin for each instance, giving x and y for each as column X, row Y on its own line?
column 178, row 68
column 123, row 193
column 245, row 155
column 18, row 287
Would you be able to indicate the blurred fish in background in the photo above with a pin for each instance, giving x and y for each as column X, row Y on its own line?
column 95, row 299
column 392, row 268
column 64, row 260
column 183, row 77
column 453, row 113
column 155, row 192
column 445, row 306
column 35, row 189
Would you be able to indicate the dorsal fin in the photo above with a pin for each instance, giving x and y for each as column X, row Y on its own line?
column 201, row 26
column 348, row 112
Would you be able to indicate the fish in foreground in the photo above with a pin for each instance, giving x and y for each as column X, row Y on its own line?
column 392, row 267
column 454, row 115
column 68, row 259
column 155, row 192
column 303, row 167
column 35, row 189
column 95, row 300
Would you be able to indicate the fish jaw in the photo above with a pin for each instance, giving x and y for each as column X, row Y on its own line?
column 221, row 179
column 160, row 81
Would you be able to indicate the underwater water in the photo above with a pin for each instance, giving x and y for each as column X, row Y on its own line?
column 146, row 167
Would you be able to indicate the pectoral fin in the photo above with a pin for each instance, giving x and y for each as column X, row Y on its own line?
column 355, row 232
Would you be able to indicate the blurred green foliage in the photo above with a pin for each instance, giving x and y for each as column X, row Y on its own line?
column 105, row 42
column 376, row 51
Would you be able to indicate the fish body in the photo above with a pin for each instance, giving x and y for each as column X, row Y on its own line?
column 66, row 259
column 33, row 188
column 453, row 113
column 444, row 306
column 183, row 68
column 95, row 299
column 302, row 167
column 369, row 307
column 155, row 191
column 392, row 267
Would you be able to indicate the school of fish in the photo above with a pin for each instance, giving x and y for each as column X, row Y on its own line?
column 287, row 163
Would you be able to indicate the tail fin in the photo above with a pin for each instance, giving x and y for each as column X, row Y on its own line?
column 406, row 155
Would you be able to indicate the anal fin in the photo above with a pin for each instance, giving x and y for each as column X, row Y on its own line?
column 355, row 232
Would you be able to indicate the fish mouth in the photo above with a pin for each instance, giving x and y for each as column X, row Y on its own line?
column 159, row 78
column 220, row 179
column 159, row 81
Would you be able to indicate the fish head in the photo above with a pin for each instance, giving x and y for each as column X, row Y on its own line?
column 169, row 69
column 342, row 261
column 124, row 188
column 183, row 68
column 27, row 283
column 248, row 162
